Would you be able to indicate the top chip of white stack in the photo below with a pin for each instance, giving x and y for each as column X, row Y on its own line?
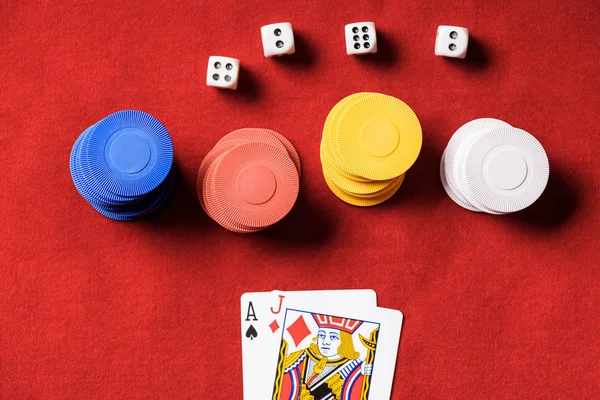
column 506, row 169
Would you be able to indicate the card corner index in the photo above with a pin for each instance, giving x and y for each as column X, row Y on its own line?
column 249, row 312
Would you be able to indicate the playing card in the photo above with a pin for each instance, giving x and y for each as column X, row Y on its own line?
column 327, row 353
column 262, row 318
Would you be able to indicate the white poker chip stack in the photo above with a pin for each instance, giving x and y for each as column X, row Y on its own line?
column 489, row 166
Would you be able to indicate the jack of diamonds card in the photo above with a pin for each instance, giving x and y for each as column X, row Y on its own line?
column 324, row 357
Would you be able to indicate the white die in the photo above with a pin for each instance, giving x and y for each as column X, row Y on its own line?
column 278, row 39
column 361, row 38
column 223, row 72
column 451, row 41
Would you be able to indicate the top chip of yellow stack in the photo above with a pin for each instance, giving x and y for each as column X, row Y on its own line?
column 378, row 137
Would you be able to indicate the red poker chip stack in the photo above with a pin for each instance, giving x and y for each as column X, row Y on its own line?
column 249, row 180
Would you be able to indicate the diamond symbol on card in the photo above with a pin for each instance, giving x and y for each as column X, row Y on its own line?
column 298, row 330
column 274, row 326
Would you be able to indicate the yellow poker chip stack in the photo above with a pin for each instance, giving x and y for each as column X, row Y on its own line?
column 369, row 142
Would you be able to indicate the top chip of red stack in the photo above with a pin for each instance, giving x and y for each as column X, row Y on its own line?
column 249, row 180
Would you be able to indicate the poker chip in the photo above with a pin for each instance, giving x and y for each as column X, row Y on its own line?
column 249, row 180
column 379, row 137
column 506, row 170
column 369, row 142
column 492, row 167
column 130, row 152
column 122, row 165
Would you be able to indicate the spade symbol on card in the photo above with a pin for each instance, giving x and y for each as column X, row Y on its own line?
column 251, row 333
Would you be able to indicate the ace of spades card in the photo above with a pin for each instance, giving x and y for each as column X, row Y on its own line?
column 326, row 354
column 262, row 320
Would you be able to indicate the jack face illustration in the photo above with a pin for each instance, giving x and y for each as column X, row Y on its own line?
column 331, row 366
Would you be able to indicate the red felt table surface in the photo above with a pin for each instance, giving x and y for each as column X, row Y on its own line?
column 495, row 307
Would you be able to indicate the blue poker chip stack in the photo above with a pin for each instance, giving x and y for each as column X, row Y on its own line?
column 122, row 165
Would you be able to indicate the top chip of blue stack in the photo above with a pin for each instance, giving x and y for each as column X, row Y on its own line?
column 122, row 165
column 130, row 153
